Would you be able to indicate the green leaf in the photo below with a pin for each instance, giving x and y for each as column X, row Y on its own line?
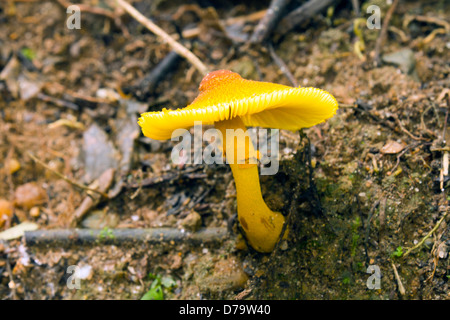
column 106, row 233
column 28, row 53
column 153, row 276
column 155, row 292
column 398, row 252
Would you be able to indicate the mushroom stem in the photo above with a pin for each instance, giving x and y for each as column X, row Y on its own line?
column 261, row 225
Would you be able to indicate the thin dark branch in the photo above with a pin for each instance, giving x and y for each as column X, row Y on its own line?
column 67, row 237
column 301, row 14
column 283, row 67
column 444, row 131
column 355, row 5
column 149, row 83
column 383, row 33
column 269, row 21
column 399, row 156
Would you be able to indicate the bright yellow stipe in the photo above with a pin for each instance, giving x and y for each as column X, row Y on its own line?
column 261, row 225
column 225, row 95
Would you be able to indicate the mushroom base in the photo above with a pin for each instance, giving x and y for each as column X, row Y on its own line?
column 261, row 225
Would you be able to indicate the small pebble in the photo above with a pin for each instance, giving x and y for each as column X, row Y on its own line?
column 192, row 222
column 99, row 219
column 84, row 272
column 443, row 251
column 284, row 245
column 12, row 165
column 12, row 285
column 35, row 212
column 29, row 195
column 241, row 244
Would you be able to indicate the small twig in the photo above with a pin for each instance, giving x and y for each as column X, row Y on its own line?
column 427, row 236
column 312, row 186
column 102, row 184
column 269, row 21
column 399, row 156
column 347, row 105
column 287, row 223
column 176, row 46
column 67, row 237
column 435, row 259
column 434, row 20
column 60, row 175
column 400, row 33
column 401, row 288
column 444, row 169
column 169, row 176
column 397, row 120
column 444, row 131
column 241, row 295
column 195, row 32
column 306, row 11
column 73, row 95
column 59, row 102
column 150, row 81
column 245, row 18
column 87, row 8
column 355, row 6
column 422, row 122
column 98, row 11
column 293, row 206
column 404, row 151
column 12, row 283
column 369, row 219
column 283, row 67
column 9, row 173
column 383, row 33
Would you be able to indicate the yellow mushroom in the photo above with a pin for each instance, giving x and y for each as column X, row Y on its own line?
column 230, row 102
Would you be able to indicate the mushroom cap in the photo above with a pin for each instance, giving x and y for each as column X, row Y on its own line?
column 225, row 94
